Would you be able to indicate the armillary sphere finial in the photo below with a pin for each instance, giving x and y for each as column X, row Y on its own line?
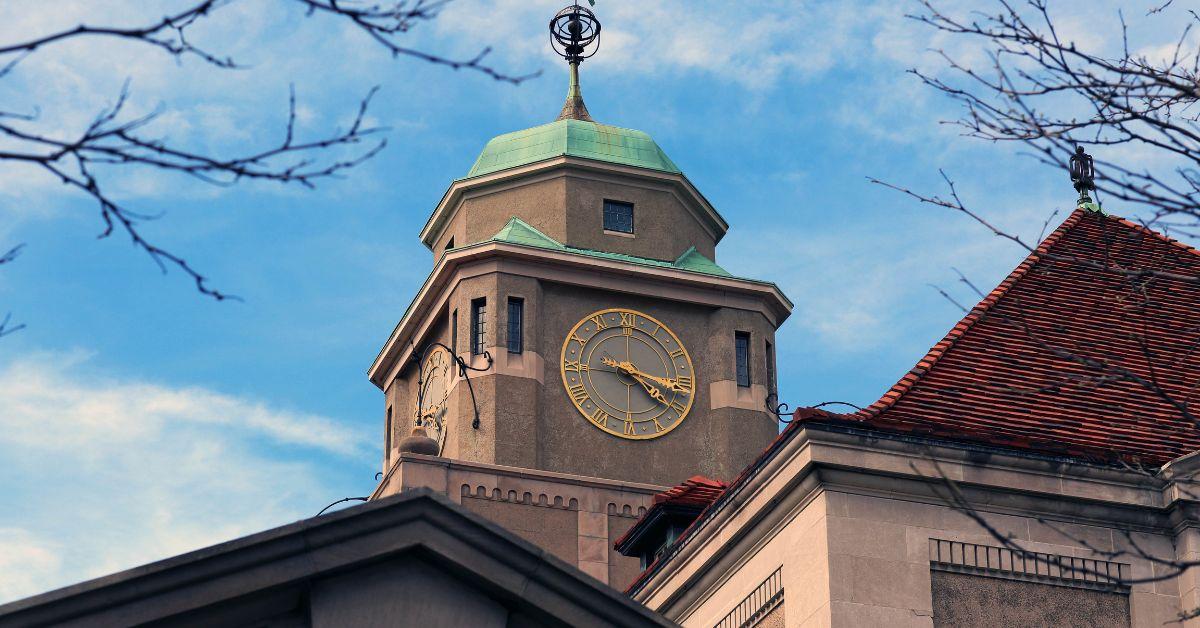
column 1083, row 174
column 573, row 31
column 575, row 36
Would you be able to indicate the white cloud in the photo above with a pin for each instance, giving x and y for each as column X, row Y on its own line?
column 29, row 563
column 178, row 467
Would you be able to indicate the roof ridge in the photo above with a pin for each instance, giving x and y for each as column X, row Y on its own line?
column 1160, row 236
column 931, row 357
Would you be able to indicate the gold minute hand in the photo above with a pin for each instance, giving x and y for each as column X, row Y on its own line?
column 651, row 390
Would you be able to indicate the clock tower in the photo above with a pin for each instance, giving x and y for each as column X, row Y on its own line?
column 575, row 276
column 576, row 322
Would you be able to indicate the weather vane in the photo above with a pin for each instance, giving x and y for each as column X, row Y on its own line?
column 575, row 36
column 1083, row 174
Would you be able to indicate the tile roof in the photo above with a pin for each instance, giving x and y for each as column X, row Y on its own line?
column 695, row 491
column 694, row 495
column 1049, row 360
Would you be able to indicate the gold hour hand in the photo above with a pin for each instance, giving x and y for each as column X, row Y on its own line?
column 639, row 376
column 628, row 367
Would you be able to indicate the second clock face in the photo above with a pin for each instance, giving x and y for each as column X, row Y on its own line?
column 435, row 392
column 628, row 374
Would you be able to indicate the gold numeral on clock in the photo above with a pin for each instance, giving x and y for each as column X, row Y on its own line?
column 629, row 428
column 684, row 382
column 598, row 320
column 658, row 427
column 676, row 353
column 628, row 319
column 578, row 393
column 626, row 331
column 579, row 339
column 600, row 417
column 575, row 366
column 678, row 408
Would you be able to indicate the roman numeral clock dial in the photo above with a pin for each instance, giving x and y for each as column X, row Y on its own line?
column 628, row 374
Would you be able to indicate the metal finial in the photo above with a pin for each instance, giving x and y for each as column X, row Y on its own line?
column 575, row 36
column 1083, row 174
column 572, row 31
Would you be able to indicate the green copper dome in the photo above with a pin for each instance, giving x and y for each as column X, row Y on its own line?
column 575, row 138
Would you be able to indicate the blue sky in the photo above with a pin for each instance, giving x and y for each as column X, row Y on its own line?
column 139, row 419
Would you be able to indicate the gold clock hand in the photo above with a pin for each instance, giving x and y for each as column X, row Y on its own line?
column 638, row 375
column 633, row 370
column 651, row 390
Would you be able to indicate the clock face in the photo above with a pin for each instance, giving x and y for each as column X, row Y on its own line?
column 435, row 391
column 628, row 374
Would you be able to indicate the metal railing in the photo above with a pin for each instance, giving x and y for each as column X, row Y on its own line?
column 972, row 558
column 762, row 600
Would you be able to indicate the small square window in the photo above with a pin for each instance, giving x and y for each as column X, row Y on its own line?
column 618, row 216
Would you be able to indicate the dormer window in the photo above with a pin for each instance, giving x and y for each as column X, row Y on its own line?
column 618, row 216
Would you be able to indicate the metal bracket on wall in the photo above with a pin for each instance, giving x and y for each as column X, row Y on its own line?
column 463, row 367
column 781, row 409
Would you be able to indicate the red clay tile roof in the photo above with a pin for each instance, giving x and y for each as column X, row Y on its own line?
column 1010, row 372
column 695, row 491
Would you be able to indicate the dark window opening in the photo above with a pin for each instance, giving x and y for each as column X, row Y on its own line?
column 387, row 437
column 450, row 244
column 772, row 385
column 741, row 346
column 454, row 332
column 618, row 216
column 516, row 325
column 478, row 316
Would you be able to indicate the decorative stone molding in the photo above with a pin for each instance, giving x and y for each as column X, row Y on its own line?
column 725, row 393
column 626, row 510
column 524, row 497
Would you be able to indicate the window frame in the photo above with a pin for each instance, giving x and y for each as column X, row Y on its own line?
column 478, row 325
column 632, row 217
column 741, row 344
column 517, row 344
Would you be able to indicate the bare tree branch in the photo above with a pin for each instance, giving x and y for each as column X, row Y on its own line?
column 115, row 139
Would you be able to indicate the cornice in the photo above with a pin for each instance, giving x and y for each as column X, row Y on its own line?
column 819, row 457
column 689, row 196
column 570, row 268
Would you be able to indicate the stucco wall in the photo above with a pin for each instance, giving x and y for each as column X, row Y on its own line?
column 971, row 601
column 553, row 529
column 527, row 420
column 773, row 619
column 569, row 207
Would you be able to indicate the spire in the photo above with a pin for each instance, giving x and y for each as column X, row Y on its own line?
column 572, row 31
column 574, row 109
